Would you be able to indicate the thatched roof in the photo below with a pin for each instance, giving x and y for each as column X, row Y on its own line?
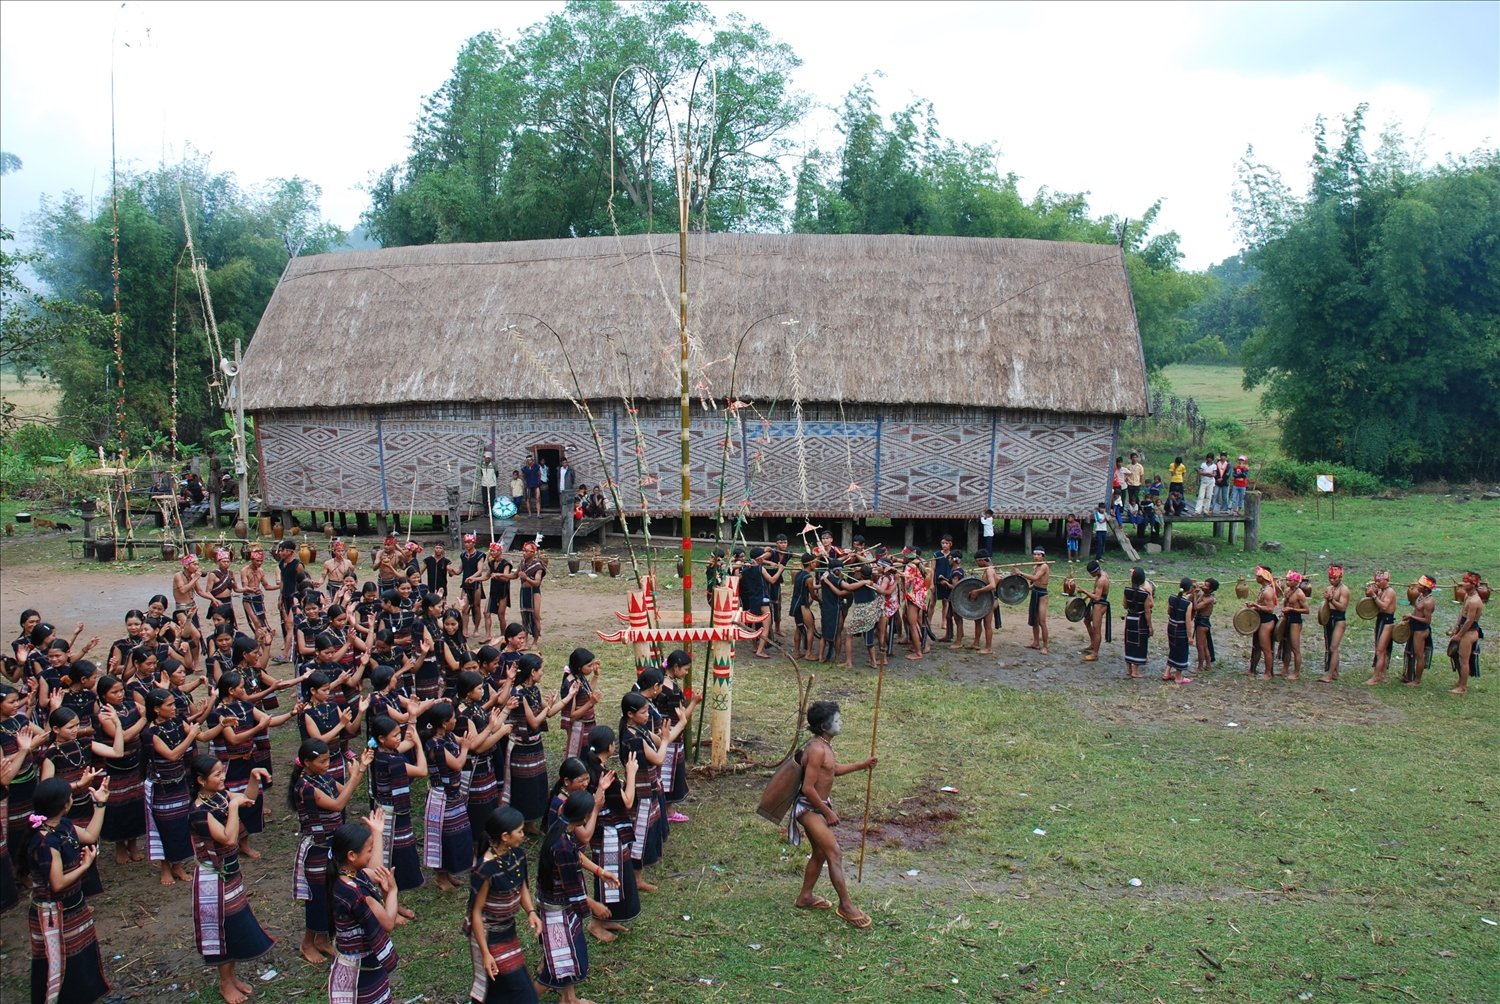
column 1020, row 324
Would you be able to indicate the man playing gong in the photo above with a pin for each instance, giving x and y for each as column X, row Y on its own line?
column 1036, row 613
column 1419, row 643
column 1336, row 598
column 1385, row 619
column 1467, row 633
column 1098, row 611
column 1265, row 606
column 985, row 626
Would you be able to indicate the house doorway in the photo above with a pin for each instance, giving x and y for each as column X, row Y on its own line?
column 550, row 457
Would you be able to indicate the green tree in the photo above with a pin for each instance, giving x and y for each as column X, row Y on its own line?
column 244, row 240
column 520, row 142
column 1381, row 296
column 1219, row 324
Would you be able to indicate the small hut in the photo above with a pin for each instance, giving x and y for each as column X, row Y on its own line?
column 848, row 377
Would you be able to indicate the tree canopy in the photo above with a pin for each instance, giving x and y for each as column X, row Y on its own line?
column 1380, row 289
column 243, row 238
column 901, row 176
column 529, row 138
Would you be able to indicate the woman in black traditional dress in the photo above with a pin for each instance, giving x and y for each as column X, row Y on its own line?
column 526, row 770
column 223, row 926
column 125, row 823
column 72, row 757
column 65, row 963
column 498, row 894
column 15, row 760
column 167, row 796
column 1138, row 602
column 614, row 832
column 1179, row 616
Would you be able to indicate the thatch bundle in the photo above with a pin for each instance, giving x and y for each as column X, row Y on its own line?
column 896, row 320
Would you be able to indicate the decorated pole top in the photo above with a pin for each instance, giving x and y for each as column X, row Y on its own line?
column 644, row 621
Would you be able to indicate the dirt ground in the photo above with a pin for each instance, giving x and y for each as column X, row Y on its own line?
column 146, row 937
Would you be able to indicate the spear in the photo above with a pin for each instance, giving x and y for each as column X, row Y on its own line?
column 864, row 832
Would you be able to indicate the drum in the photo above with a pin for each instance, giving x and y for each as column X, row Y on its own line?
column 1076, row 609
column 1013, row 588
column 504, row 507
column 1366, row 608
column 1246, row 621
column 1401, row 633
column 969, row 604
column 1324, row 612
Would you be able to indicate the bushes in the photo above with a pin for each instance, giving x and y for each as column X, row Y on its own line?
column 34, row 442
column 1301, row 478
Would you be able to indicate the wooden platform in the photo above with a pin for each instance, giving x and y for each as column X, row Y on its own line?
column 1222, row 523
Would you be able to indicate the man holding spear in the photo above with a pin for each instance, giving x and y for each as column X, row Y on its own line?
column 813, row 813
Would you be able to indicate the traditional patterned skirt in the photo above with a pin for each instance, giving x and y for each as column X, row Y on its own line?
column 167, row 821
column 448, row 842
column 1177, row 644
column 862, row 617
column 14, row 817
column 237, row 780
column 565, row 952
column 526, row 778
column 428, row 682
column 225, row 929
column 1136, row 639
column 577, row 731
column 646, row 848
column 613, row 855
column 398, row 847
column 65, row 963
column 674, row 772
column 484, row 790
column 365, row 980
column 310, row 883
column 8, row 895
column 512, row 984
column 125, row 819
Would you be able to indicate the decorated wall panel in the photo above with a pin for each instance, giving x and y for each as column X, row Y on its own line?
column 862, row 462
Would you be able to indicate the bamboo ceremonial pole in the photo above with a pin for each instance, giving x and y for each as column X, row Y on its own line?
column 864, row 830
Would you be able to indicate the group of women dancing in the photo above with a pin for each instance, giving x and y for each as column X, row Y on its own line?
column 165, row 752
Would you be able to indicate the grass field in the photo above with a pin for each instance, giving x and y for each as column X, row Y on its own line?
column 34, row 400
column 1221, row 396
column 1293, row 842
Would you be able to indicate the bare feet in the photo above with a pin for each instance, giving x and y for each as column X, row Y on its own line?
column 122, row 856
column 913, row 657
column 232, row 993
column 984, row 651
column 1044, row 650
column 312, row 955
column 643, row 885
column 1293, row 676
column 1374, row 681
column 443, row 882
column 1031, row 646
column 407, row 912
column 167, row 879
column 180, row 873
column 1458, row 690
column 247, row 988
column 600, row 932
column 250, row 852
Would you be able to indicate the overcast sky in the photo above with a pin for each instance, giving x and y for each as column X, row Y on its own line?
column 1129, row 102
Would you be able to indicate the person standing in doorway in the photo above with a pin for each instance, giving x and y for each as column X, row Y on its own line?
column 565, row 484
column 531, row 474
column 489, row 480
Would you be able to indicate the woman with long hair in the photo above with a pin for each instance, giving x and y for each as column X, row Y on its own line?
column 564, row 899
column 448, row 842
column 646, row 747
column 498, row 894
column 240, row 721
column 526, row 768
column 614, row 832
column 125, row 822
column 391, row 774
column 476, row 715
column 15, row 721
column 167, row 794
column 363, row 910
column 65, row 962
column 225, row 930
column 71, row 757
column 581, row 680
column 319, row 800
column 15, row 759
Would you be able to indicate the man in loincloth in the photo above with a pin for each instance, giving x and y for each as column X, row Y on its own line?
column 187, row 586
column 1036, row 613
column 985, row 625
column 813, row 814
column 1336, row 597
column 254, row 580
column 1467, row 633
column 338, row 566
column 1098, row 611
column 942, row 584
column 390, row 564
column 1385, row 620
column 1419, row 645
column 1265, row 607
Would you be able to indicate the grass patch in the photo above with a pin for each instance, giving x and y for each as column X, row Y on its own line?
column 1335, row 844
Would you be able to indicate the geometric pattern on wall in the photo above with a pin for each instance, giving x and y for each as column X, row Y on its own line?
column 1051, row 467
column 1021, row 466
column 934, row 468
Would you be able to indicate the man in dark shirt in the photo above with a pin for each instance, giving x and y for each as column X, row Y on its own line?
column 531, row 474
column 753, row 594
